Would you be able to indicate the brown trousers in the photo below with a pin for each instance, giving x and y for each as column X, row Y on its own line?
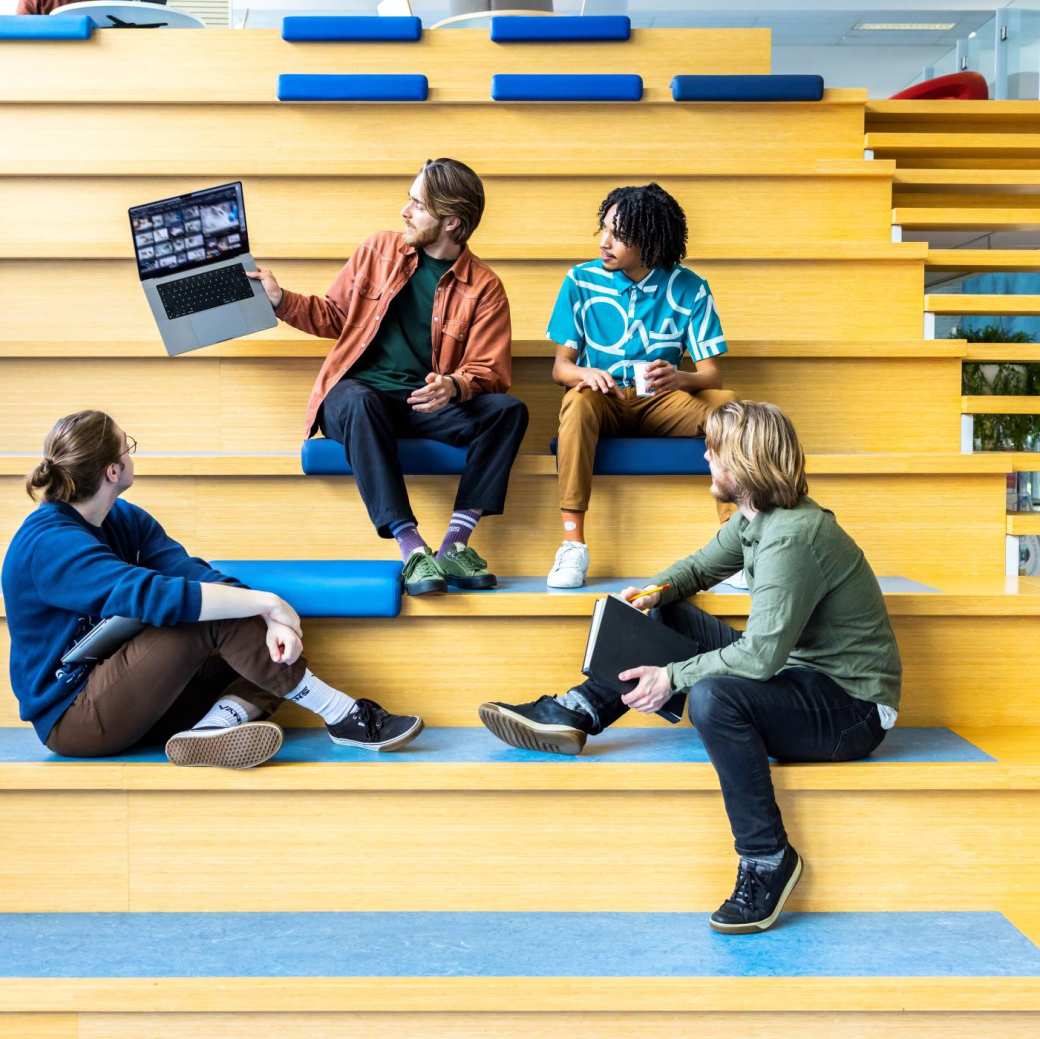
column 587, row 415
column 165, row 680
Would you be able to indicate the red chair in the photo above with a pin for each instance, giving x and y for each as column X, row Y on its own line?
column 960, row 86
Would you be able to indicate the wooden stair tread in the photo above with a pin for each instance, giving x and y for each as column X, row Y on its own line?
column 955, row 303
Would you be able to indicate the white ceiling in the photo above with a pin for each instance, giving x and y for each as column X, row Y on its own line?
column 814, row 23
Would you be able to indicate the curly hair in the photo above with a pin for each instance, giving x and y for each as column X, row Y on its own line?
column 649, row 219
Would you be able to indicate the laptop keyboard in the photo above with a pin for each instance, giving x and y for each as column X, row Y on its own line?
column 205, row 291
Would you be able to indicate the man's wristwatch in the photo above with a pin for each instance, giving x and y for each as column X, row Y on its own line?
column 458, row 388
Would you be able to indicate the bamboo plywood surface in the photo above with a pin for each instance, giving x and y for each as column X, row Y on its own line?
column 232, row 67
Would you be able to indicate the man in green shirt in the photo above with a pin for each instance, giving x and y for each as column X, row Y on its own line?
column 814, row 677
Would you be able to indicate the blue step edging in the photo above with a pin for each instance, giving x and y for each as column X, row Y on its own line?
column 350, row 28
column 508, row 945
column 747, row 88
column 321, row 456
column 581, row 87
column 450, row 745
column 40, row 27
column 324, row 587
column 648, row 456
column 566, row 28
column 398, row 87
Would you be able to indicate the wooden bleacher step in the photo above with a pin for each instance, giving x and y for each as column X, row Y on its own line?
column 998, row 405
column 497, row 961
column 976, row 180
column 926, row 218
column 970, row 260
column 1023, row 523
column 956, row 303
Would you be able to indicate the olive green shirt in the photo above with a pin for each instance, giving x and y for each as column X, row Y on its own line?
column 815, row 602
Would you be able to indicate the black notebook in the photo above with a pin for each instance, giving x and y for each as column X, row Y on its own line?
column 622, row 637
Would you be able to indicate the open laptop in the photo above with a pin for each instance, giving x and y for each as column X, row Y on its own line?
column 192, row 257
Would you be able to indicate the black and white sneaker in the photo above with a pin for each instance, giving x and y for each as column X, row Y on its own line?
column 544, row 724
column 759, row 896
column 369, row 726
column 238, row 746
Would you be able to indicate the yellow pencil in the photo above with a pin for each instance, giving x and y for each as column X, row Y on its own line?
column 650, row 591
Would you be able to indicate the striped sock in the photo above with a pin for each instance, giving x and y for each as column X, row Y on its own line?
column 408, row 538
column 463, row 523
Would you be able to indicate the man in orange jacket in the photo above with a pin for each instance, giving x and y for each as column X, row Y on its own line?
column 423, row 349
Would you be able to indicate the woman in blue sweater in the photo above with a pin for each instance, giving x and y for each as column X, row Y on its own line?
column 214, row 659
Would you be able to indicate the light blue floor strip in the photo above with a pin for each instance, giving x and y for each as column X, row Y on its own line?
column 670, row 945
column 606, row 585
column 680, row 745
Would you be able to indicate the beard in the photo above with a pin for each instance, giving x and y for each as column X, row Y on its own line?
column 724, row 492
column 417, row 238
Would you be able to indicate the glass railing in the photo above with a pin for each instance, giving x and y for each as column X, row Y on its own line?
column 1005, row 50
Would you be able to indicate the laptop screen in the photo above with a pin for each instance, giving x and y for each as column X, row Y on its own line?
column 178, row 234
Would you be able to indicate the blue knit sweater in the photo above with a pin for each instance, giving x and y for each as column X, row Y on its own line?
column 61, row 575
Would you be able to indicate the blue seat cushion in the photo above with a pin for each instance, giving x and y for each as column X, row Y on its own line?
column 648, row 456
column 324, row 587
column 341, row 28
column 513, row 87
column 294, row 87
column 323, row 457
column 34, row 27
column 521, row 29
column 747, row 88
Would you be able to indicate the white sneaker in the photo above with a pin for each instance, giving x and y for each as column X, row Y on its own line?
column 570, row 566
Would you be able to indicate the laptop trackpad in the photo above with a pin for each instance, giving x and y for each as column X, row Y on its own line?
column 216, row 325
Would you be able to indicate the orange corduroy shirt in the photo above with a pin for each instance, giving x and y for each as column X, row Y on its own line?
column 470, row 329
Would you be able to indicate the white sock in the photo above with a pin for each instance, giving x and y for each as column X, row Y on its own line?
column 227, row 712
column 321, row 698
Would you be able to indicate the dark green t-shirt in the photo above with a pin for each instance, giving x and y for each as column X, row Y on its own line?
column 401, row 355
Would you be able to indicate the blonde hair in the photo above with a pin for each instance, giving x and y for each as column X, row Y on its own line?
column 452, row 189
column 757, row 443
column 76, row 453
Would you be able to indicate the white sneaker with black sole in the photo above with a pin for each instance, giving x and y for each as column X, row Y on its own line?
column 370, row 727
column 236, row 746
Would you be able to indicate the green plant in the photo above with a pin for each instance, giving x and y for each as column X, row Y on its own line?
column 1004, row 379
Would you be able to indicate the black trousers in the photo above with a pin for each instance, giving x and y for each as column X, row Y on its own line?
column 368, row 422
column 798, row 715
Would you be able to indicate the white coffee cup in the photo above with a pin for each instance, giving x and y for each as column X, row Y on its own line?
column 639, row 369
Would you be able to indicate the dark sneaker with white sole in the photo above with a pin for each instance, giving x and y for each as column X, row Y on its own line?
column 544, row 725
column 372, row 728
column 759, row 896
column 238, row 746
column 463, row 567
column 422, row 575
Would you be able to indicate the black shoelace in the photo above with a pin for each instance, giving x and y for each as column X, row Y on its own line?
column 370, row 715
column 747, row 883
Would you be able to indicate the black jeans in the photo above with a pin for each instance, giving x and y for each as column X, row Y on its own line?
column 798, row 715
column 368, row 422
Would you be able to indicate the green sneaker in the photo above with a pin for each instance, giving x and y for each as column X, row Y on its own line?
column 464, row 568
column 422, row 575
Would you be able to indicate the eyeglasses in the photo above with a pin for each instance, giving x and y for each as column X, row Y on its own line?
column 131, row 444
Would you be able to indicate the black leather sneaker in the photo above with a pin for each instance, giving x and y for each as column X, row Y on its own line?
column 759, row 896
column 369, row 726
column 544, row 725
column 237, row 746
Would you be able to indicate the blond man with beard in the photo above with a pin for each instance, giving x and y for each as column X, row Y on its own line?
column 815, row 676
column 423, row 349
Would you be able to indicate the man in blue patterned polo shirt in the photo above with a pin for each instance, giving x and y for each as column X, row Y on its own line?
column 636, row 311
